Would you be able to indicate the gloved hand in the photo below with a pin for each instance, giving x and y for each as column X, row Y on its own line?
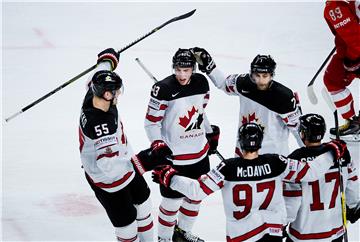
column 352, row 65
column 163, row 175
column 109, row 55
column 145, row 161
column 160, row 149
column 213, row 139
column 338, row 148
column 203, row 58
column 353, row 214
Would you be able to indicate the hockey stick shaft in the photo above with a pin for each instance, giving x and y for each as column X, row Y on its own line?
column 186, row 15
column 310, row 88
column 331, row 105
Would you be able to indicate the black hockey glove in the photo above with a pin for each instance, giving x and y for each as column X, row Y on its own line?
column 213, row 139
column 145, row 161
column 160, row 149
column 338, row 148
column 353, row 214
column 352, row 65
column 163, row 175
column 203, row 58
column 109, row 55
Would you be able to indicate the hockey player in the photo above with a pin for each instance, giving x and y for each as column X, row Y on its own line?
column 262, row 100
column 315, row 207
column 177, row 127
column 251, row 186
column 113, row 175
column 343, row 18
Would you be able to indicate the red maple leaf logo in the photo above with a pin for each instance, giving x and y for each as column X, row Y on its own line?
column 184, row 121
column 249, row 119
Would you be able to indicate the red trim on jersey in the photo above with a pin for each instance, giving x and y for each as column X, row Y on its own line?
column 153, row 118
column 189, row 213
column 207, row 96
column 126, row 240
column 163, row 107
column 145, row 228
column 115, row 183
column 166, row 223
column 253, row 232
column 188, row 200
column 192, row 156
column 302, row 173
column 289, row 175
column 292, row 193
column 322, row 235
column 343, row 102
column 109, row 155
column 354, row 178
column 81, row 139
column 167, row 212
column 205, row 188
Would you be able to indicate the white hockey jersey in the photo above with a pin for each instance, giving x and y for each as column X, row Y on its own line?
column 314, row 207
column 104, row 150
column 176, row 115
column 277, row 110
column 252, row 191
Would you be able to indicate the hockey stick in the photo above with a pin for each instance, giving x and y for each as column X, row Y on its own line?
column 310, row 86
column 331, row 105
column 186, row 15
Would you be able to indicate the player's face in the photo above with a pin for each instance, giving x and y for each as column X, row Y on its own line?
column 183, row 74
column 262, row 80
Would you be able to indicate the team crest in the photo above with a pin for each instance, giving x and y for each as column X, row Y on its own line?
column 192, row 120
column 251, row 118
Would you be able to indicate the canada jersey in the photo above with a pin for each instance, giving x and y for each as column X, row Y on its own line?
column 251, row 191
column 343, row 18
column 104, row 150
column 276, row 109
column 176, row 115
column 319, row 215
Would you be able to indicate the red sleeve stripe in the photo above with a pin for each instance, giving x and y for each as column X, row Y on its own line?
column 153, row 119
column 189, row 213
column 115, row 183
column 302, row 173
column 192, row 156
column 254, row 232
column 322, row 235
column 146, row 228
column 287, row 193
column 162, row 107
column 166, row 223
column 289, row 175
column 126, row 240
column 108, row 155
column 167, row 212
column 81, row 139
column 188, row 200
column 207, row 96
column 354, row 178
column 205, row 188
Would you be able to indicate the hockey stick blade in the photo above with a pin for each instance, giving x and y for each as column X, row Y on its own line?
column 311, row 94
column 186, row 15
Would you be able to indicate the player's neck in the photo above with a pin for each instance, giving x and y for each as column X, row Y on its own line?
column 250, row 155
column 311, row 144
column 101, row 103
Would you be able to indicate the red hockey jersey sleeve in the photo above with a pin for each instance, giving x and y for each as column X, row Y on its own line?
column 344, row 23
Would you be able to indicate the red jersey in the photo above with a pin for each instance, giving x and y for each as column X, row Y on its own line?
column 343, row 18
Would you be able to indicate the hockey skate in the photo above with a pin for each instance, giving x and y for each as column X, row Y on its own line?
column 182, row 236
column 350, row 131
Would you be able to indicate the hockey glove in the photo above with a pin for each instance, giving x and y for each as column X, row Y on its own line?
column 352, row 65
column 145, row 161
column 160, row 149
column 203, row 58
column 109, row 55
column 338, row 148
column 163, row 175
column 353, row 214
column 213, row 139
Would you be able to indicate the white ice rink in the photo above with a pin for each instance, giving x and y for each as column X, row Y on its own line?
column 45, row 196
